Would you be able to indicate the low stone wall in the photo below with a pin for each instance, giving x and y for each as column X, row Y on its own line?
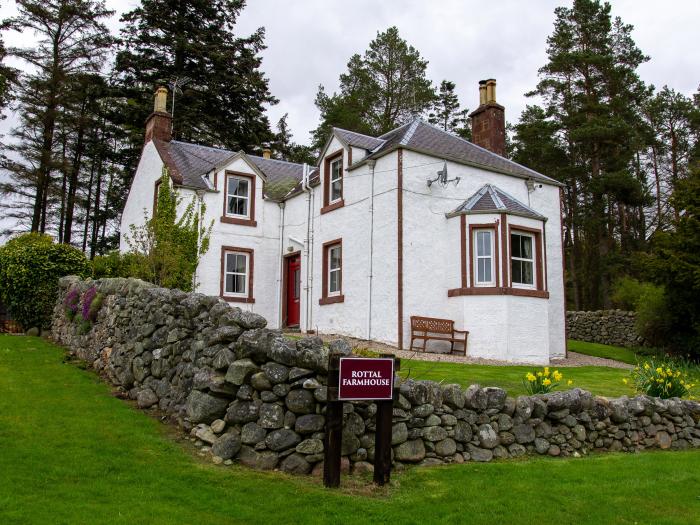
column 608, row 327
column 248, row 394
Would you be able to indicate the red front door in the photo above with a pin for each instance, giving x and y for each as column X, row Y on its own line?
column 293, row 289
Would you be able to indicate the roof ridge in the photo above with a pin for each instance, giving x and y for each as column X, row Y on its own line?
column 276, row 160
column 517, row 201
column 410, row 132
column 200, row 145
column 355, row 133
column 381, row 137
column 493, row 190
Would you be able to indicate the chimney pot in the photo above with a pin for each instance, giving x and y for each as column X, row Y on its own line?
column 482, row 92
column 160, row 101
column 491, row 90
column 267, row 153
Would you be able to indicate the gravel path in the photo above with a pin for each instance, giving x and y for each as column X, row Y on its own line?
column 572, row 360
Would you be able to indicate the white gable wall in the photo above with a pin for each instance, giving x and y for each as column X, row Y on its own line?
column 139, row 203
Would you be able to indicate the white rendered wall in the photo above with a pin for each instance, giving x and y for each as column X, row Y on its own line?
column 263, row 239
column 139, row 203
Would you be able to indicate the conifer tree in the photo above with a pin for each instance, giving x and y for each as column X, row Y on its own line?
column 381, row 90
column 223, row 93
column 446, row 113
column 592, row 96
column 72, row 41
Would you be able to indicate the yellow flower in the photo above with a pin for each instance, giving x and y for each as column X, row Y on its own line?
column 530, row 377
column 547, row 382
column 558, row 375
column 669, row 371
column 646, row 366
column 539, row 374
column 668, row 385
column 624, row 380
column 546, row 371
column 569, row 382
column 659, row 370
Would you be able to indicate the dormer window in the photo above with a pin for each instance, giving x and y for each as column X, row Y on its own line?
column 239, row 199
column 333, row 182
column 336, row 180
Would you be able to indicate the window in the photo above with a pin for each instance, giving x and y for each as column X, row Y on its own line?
column 334, row 270
column 336, row 180
column 332, row 289
column 238, row 196
column 484, row 258
column 333, row 182
column 522, row 259
column 237, row 274
column 239, row 199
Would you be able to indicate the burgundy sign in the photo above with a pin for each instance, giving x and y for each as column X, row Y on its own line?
column 362, row 378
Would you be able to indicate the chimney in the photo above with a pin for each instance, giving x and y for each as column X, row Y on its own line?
column 159, row 123
column 489, row 120
column 267, row 153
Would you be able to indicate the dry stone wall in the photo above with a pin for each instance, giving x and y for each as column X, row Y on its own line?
column 608, row 327
column 248, row 394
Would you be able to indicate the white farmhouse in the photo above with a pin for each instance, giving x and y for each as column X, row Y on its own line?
column 416, row 222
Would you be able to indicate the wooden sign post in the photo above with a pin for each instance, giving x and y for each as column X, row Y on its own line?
column 360, row 379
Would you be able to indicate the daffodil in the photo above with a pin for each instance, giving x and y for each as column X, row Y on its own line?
column 530, row 377
column 624, row 380
column 558, row 375
column 547, row 382
column 539, row 374
column 569, row 382
column 646, row 366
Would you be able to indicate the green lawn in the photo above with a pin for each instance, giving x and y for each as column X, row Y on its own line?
column 72, row 453
column 626, row 355
column 600, row 380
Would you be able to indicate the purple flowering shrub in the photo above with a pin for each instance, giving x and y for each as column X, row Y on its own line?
column 88, row 297
column 70, row 303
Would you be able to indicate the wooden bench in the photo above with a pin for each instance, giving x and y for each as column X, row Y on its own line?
column 432, row 328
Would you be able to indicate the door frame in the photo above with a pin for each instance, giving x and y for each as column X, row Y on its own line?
column 285, row 285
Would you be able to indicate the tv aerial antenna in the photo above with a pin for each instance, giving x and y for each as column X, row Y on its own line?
column 442, row 179
column 175, row 86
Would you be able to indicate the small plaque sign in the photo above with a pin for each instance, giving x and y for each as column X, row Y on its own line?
column 366, row 379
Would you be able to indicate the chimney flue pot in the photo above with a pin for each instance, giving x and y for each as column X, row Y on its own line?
column 161, row 100
column 482, row 92
column 491, row 91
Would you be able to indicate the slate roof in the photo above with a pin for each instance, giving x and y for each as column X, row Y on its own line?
column 358, row 140
column 490, row 199
column 189, row 163
column 426, row 138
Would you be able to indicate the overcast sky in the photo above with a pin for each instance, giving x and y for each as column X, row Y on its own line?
column 309, row 43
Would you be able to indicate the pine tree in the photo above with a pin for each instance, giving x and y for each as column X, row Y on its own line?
column 381, row 90
column 593, row 96
column 446, row 113
column 223, row 93
column 286, row 149
column 72, row 41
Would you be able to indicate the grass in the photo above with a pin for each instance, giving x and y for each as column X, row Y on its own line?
column 626, row 355
column 599, row 380
column 72, row 453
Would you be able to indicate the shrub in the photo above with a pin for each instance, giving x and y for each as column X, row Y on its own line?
column 649, row 301
column 543, row 381
column 663, row 379
column 30, row 266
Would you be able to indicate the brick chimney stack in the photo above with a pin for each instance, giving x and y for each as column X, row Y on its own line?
column 159, row 123
column 489, row 120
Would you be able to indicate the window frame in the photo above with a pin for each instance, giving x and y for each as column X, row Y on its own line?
column 533, row 260
column 249, row 218
column 476, row 257
column 337, row 296
column 328, row 204
column 247, row 296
